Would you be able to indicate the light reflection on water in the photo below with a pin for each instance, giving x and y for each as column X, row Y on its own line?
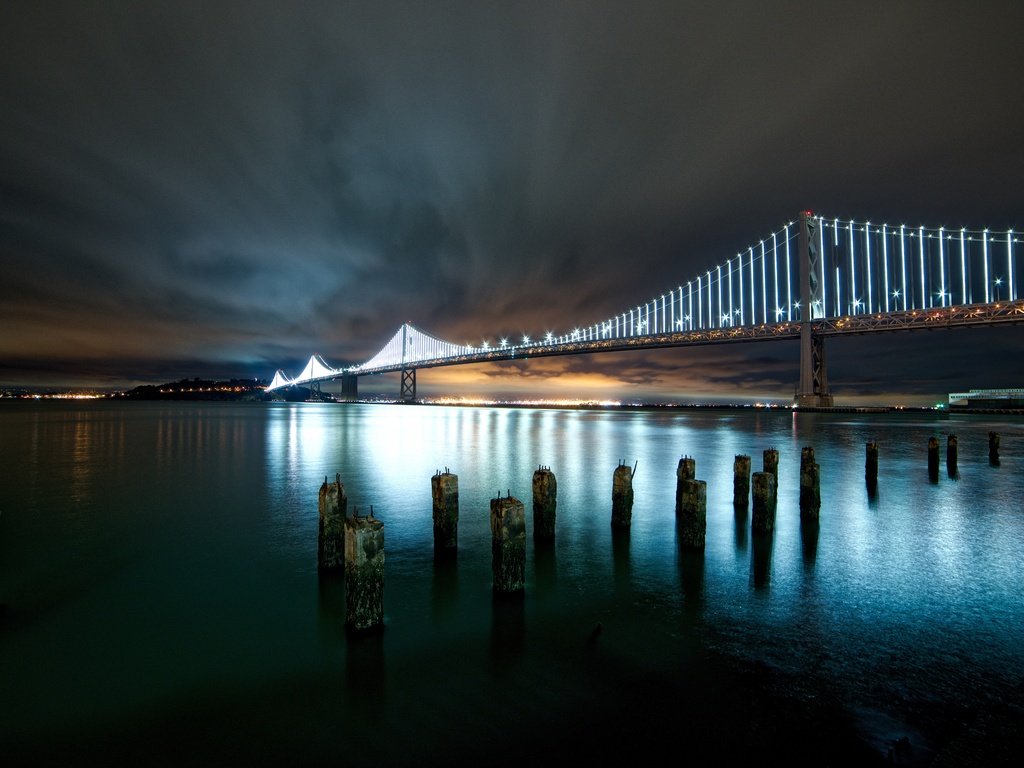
column 177, row 546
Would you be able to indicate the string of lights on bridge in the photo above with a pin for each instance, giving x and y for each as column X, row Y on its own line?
column 862, row 268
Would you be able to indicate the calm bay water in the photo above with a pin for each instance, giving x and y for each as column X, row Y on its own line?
column 159, row 577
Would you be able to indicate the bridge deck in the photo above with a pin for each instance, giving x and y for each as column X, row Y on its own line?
column 935, row 318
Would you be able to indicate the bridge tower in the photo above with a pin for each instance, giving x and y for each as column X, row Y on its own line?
column 812, row 391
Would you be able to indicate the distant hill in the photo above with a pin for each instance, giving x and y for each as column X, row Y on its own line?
column 201, row 389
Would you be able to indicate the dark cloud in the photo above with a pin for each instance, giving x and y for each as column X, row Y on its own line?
column 238, row 185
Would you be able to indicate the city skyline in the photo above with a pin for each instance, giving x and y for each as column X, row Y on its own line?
column 224, row 189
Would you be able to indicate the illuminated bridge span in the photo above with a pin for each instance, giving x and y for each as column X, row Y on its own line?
column 815, row 277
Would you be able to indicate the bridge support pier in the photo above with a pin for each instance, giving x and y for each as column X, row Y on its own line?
column 349, row 388
column 813, row 391
column 408, row 392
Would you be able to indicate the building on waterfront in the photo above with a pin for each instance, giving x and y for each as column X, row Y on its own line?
column 987, row 399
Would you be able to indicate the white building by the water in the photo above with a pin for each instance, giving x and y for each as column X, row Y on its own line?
column 1012, row 398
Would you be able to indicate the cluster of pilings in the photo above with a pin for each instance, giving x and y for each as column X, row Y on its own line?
column 508, row 525
column 952, row 447
column 356, row 543
column 952, row 455
column 952, row 458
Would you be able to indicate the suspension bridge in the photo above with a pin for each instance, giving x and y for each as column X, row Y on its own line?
column 812, row 278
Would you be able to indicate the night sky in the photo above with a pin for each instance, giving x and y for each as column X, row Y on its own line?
column 222, row 189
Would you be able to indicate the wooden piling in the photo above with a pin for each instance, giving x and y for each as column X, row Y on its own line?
column 364, row 572
column 771, row 463
column 444, row 490
column 810, row 489
column 508, row 545
column 993, row 448
column 762, row 520
column 333, row 507
column 951, row 455
column 741, row 482
column 622, row 496
column 545, row 501
column 871, row 463
column 692, row 513
column 686, row 470
column 933, row 459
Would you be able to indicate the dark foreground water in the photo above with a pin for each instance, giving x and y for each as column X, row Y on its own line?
column 161, row 601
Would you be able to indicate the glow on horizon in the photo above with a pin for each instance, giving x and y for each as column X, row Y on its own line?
column 541, row 401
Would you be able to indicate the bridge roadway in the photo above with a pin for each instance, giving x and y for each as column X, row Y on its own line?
column 936, row 318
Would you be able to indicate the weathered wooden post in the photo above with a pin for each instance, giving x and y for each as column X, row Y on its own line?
column 364, row 571
column 691, row 502
column 771, row 463
column 508, row 545
column 333, row 505
column 762, row 520
column 686, row 470
column 993, row 448
column 810, row 487
column 933, row 459
column 444, row 489
column 622, row 496
column 741, row 482
column 871, row 464
column 545, row 493
column 951, row 455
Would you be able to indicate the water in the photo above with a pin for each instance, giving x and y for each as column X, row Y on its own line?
column 162, row 600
